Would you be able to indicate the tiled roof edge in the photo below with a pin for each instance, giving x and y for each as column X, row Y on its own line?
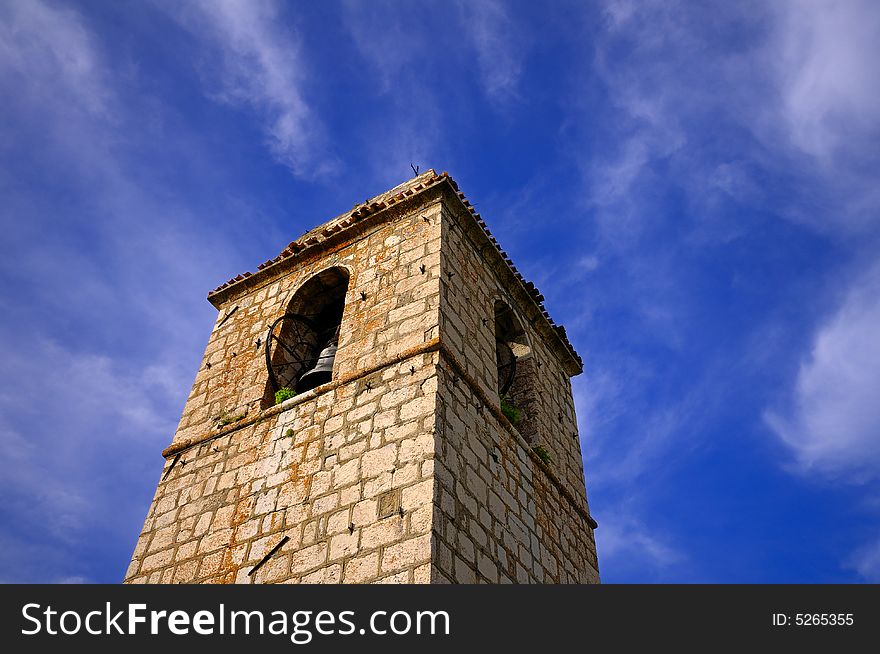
column 384, row 201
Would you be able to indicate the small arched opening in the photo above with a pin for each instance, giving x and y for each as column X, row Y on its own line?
column 516, row 371
column 301, row 345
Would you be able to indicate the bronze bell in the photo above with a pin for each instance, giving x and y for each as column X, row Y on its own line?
column 321, row 373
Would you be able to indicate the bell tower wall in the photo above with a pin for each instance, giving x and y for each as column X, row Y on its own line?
column 426, row 457
column 390, row 306
column 335, row 484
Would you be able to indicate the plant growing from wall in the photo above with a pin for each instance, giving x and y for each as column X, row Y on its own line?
column 542, row 453
column 512, row 412
column 284, row 393
column 227, row 418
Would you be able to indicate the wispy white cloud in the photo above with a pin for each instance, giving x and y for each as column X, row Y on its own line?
column 866, row 562
column 76, row 428
column 419, row 79
column 833, row 425
column 114, row 267
column 794, row 103
column 622, row 454
column 76, row 392
column 391, row 38
column 253, row 59
column 388, row 38
column 75, row 579
column 500, row 45
column 46, row 52
column 828, row 74
column 626, row 435
column 799, row 94
column 824, row 105
column 626, row 544
column 646, row 126
column 630, row 539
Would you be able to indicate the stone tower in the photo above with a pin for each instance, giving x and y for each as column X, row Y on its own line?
column 399, row 324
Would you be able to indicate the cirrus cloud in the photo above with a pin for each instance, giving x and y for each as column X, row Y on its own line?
column 833, row 425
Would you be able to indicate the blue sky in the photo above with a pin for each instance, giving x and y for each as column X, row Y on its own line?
column 693, row 187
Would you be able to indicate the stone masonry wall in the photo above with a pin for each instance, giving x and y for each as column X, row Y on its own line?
column 346, row 475
column 499, row 517
column 401, row 469
column 343, row 471
column 469, row 287
column 398, row 309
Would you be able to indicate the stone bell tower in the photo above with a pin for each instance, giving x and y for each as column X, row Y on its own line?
column 385, row 401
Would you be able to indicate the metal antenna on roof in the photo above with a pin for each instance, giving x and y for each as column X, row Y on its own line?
column 415, row 169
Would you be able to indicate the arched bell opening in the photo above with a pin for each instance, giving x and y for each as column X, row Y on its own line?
column 511, row 344
column 517, row 385
column 301, row 345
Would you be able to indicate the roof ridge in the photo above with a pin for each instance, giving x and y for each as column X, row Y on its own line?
column 358, row 212
column 384, row 200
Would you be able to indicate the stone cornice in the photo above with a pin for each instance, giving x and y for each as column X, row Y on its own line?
column 434, row 345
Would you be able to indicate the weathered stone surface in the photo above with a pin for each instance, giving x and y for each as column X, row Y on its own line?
column 402, row 469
